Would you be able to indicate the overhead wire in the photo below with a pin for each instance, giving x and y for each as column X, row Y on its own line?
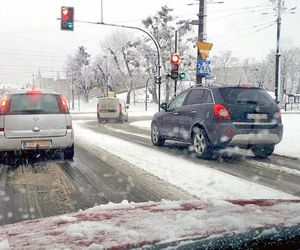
column 249, row 34
column 241, row 29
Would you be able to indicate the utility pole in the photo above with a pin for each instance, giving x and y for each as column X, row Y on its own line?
column 101, row 11
column 201, row 28
column 176, row 51
column 72, row 84
column 277, row 62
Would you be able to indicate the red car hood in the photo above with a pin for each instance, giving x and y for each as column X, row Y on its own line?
column 127, row 225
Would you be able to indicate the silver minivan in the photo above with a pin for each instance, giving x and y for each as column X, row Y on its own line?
column 35, row 120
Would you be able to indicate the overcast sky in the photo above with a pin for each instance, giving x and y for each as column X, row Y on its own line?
column 31, row 39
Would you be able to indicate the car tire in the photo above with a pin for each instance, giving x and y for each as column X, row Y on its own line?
column 69, row 153
column 121, row 119
column 156, row 138
column 263, row 151
column 99, row 119
column 201, row 144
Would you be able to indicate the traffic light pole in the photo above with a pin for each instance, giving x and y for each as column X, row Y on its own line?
column 277, row 62
column 201, row 16
column 158, row 68
column 176, row 51
column 72, row 85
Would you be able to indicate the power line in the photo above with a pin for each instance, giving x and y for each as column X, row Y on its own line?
column 251, row 33
column 243, row 8
column 238, row 14
column 242, row 29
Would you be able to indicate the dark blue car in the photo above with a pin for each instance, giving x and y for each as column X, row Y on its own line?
column 212, row 118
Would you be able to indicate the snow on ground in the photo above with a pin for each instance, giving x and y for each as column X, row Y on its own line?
column 130, row 225
column 195, row 179
column 137, row 109
column 290, row 144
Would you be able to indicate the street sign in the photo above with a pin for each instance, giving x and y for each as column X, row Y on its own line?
column 204, row 49
column 110, row 94
column 203, row 68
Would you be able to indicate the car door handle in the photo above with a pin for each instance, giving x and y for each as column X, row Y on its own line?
column 193, row 112
column 176, row 113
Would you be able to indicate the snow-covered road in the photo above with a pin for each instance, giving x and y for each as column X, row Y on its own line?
column 196, row 179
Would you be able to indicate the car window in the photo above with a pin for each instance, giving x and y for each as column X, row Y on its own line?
column 195, row 97
column 246, row 96
column 178, row 101
column 207, row 97
column 36, row 104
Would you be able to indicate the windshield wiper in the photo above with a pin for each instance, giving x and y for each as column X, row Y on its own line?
column 29, row 111
column 248, row 102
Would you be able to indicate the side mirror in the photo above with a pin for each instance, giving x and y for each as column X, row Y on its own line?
column 164, row 106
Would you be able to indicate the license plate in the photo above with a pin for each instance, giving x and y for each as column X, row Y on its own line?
column 257, row 116
column 36, row 144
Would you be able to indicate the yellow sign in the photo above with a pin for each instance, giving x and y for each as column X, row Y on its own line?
column 204, row 49
column 110, row 94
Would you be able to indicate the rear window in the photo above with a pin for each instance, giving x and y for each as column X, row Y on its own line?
column 247, row 96
column 34, row 104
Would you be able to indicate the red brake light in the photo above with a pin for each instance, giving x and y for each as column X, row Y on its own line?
column 221, row 112
column 277, row 115
column 34, row 92
column 247, row 87
column 4, row 104
column 64, row 104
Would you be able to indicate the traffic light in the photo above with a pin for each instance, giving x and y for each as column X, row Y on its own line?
column 175, row 61
column 67, row 18
column 182, row 75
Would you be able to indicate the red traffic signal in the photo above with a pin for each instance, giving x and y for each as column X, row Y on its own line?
column 67, row 18
column 175, row 59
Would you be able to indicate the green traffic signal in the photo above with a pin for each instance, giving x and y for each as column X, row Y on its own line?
column 182, row 75
column 70, row 25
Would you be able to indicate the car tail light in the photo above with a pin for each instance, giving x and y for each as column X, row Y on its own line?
column 4, row 104
column 98, row 109
column 1, row 129
column 221, row 112
column 69, row 126
column 34, row 92
column 64, row 104
column 277, row 115
column 247, row 87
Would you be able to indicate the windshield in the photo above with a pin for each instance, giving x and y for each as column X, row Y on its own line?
column 34, row 104
column 246, row 96
column 149, row 124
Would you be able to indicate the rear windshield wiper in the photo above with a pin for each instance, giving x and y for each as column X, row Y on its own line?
column 248, row 102
column 27, row 111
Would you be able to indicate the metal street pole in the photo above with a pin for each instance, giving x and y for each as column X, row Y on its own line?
column 201, row 28
column 101, row 11
column 277, row 62
column 146, row 96
column 72, row 84
column 176, row 50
